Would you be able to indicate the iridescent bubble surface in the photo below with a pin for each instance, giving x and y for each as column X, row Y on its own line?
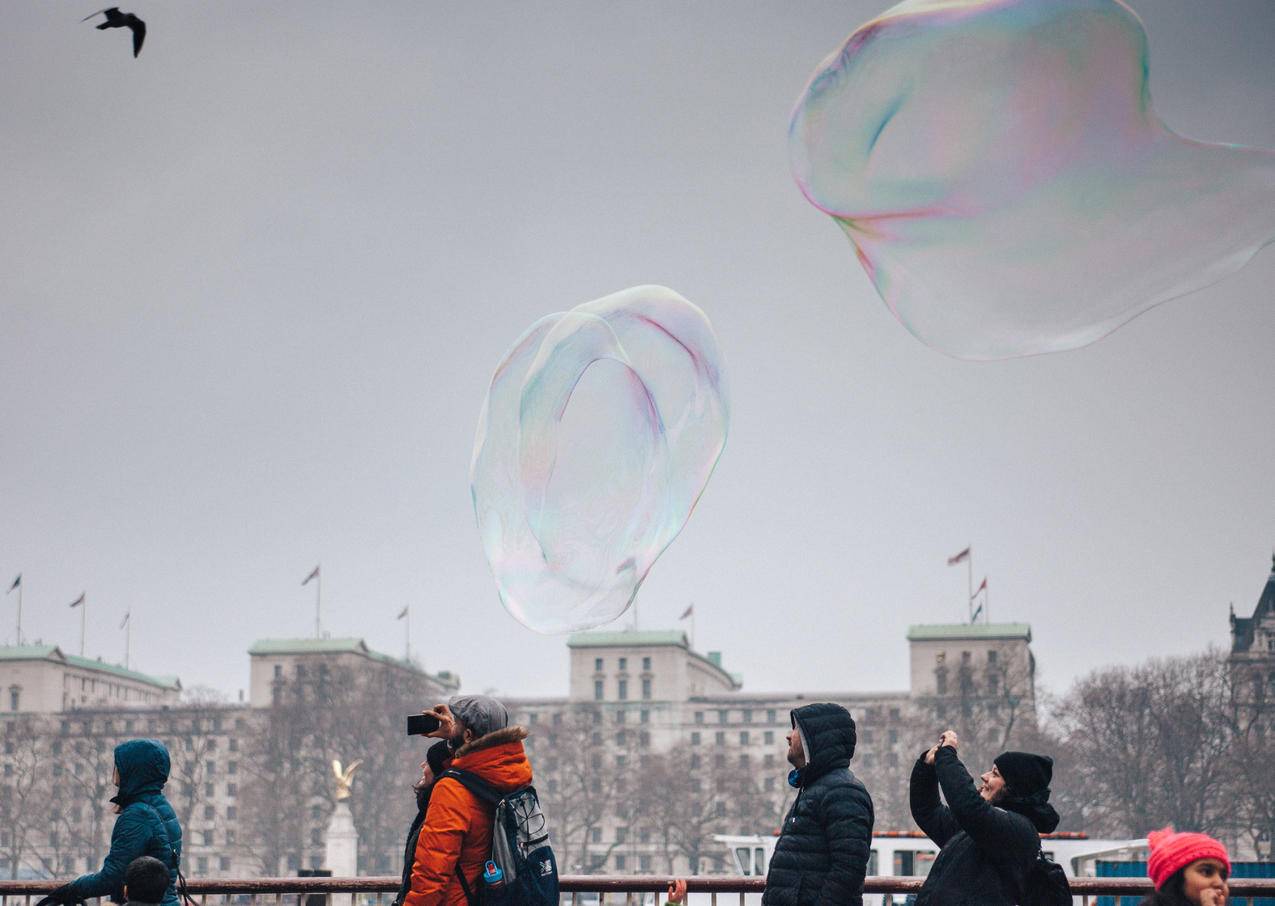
column 1005, row 181
column 598, row 435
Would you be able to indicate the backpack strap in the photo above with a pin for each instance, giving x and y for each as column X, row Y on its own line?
column 464, row 885
column 476, row 785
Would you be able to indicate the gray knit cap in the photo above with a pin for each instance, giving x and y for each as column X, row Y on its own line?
column 481, row 714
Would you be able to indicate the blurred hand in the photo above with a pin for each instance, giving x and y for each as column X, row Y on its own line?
column 929, row 756
column 677, row 892
column 949, row 738
column 446, row 722
column 1211, row 896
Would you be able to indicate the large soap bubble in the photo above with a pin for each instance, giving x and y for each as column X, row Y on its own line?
column 600, row 430
column 1005, row 182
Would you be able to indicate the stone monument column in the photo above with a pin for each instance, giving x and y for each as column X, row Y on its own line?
column 342, row 843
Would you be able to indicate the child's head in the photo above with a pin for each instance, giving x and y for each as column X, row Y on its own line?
column 146, row 880
column 1192, row 867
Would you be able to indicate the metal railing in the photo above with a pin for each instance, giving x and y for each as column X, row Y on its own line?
column 585, row 890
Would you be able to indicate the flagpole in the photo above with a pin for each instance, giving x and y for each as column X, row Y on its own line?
column 128, row 636
column 318, row 598
column 408, row 631
column 84, row 609
column 19, row 613
column 969, row 583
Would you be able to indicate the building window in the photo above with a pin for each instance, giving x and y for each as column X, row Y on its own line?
column 619, row 862
column 624, row 664
column 224, row 863
column 595, row 835
column 597, row 690
column 748, row 716
column 644, row 864
column 644, row 716
column 743, row 759
column 723, row 716
column 719, row 760
column 699, row 717
column 719, row 738
column 15, row 695
column 231, row 813
column 623, row 690
column 769, row 737
column 619, row 716
column 993, row 683
column 202, row 864
column 621, row 834
column 743, row 737
column 316, row 837
column 646, row 665
column 695, row 760
column 232, row 790
column 991, row 657
column 770, row 716
column 644, row 738
column 893, row 736
column 232, row 767
column 597, row 665
column 695, row 738
column 770, row 759
column 209, row 790
column 646, row 688
column 209, row 812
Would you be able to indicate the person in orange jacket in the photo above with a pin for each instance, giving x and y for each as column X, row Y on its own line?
column 455, row 840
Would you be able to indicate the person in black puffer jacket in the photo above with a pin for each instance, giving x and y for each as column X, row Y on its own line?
column 988, row 838
column 822, row 853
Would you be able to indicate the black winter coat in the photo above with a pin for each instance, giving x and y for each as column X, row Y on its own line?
column 413, row 834
column 822, row 853
column 985, row 851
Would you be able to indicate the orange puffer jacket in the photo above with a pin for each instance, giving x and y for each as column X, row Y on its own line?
column 457, row 827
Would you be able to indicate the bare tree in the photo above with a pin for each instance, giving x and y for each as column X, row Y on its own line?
column 1153, row 744
column 24, row 796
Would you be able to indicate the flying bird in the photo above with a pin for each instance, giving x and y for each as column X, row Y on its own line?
column 117, row 19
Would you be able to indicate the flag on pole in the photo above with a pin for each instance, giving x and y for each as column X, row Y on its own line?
column 127, row 615
column 976, row 613
column 17, row 583
column 686, row 613
column 313, row 575
column 402, row 613
column 978, row 591
column 959, row 558
column 78, row 601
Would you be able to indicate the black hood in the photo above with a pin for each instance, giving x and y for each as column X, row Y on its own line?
column 1035, row 808
column 828, row 734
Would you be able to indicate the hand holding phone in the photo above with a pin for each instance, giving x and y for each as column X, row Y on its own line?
column 422, row 724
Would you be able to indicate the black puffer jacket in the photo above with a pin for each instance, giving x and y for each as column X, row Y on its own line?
column 985, row 850
column 822, row 854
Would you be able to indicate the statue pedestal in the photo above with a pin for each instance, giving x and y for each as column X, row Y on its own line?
column 342, row 856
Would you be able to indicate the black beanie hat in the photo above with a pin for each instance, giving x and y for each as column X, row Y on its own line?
column 1024, row 772
column 437, row 755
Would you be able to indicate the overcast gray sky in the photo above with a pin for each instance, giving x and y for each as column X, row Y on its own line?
column 253, row 285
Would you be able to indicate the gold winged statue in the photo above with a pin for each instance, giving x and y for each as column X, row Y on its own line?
column 344, row 778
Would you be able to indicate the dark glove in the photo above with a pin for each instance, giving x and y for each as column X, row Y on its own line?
column 62, row 896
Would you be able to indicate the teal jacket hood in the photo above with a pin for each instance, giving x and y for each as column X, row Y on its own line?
column 143, row 765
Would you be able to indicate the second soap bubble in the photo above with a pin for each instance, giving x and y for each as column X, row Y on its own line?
column 598, row 435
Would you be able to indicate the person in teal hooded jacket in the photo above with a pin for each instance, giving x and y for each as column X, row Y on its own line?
column 146, row 826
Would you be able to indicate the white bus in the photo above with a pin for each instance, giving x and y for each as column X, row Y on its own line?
column 910, row 854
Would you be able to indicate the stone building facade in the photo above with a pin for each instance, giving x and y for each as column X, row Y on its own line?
column 655, row 748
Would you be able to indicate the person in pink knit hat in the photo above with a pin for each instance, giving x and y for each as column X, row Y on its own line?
column 1187, row 869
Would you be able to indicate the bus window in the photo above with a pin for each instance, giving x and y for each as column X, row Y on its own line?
column 742, row 859
column 924, row 862
column 759, row 860
column 903, row 863
column 873, row 858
